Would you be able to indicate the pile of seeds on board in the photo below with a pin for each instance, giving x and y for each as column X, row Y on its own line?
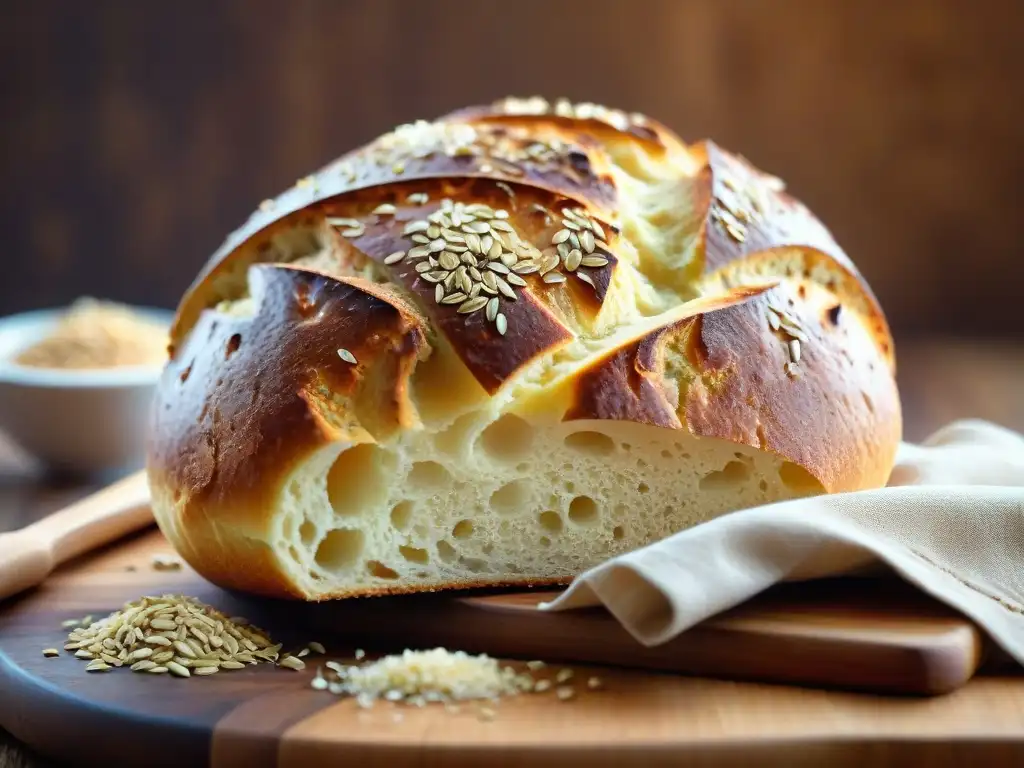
column 171, row 634
column 418, row 678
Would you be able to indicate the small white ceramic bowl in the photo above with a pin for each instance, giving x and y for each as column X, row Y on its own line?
column 79, row 421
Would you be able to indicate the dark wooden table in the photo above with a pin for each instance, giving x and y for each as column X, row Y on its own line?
column 940, row 380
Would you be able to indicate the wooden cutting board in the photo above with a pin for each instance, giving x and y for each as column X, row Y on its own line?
column 854, row 634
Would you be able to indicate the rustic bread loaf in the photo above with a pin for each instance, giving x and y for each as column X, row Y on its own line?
column 504, row 346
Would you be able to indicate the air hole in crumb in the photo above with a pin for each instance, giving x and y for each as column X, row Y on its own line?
column 732, row 474
column 414, row 555
column 522, row 466
column 233, row 344
column 583, row 510
column 428, row 476
column 473, row 564
column 763, row 485
column 339, row 549
column 570, row 486
column 381, row 571
column 798, row 479
column 487, row 548
column 294, row 553
column 511, row 497
column 307, row 532
column 454, row 440
column 590, row 443
column 643, row 488
column 627, row 447
column 446, row 551
column 666, row 453
column 545, row 541
column 508, row 439
column 401, row 514
column 550, row 521
column 463, row 529
column 357, row 480
column 618, row 533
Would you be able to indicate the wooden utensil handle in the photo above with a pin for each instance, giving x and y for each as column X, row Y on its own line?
column 27, row 556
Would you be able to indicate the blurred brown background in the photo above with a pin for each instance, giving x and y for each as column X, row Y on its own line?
column 137, row 134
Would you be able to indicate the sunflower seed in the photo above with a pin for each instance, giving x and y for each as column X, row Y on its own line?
column 291, row 662
column 508, row 258
column 477, row 227
column 594, row 261
column 548, row 263
column 454, row 298
column 525, row 267
column 434, row 277
column 437, row 245
column 587, row 240
column 596, row 228
column 210, row 670
column 50, row 652
column 142, row 666
column 449, row 281
column 501, row 324
column 485, row 243
column 794, row 350
column 340, row 222
column 505, row 288
column 97, row 666
column 395, row 257
column 565, row 692
column 497, row 266
column 574, row 241
column 560, row 236
column 423, row 266
column 417, row 198
column 438, row 293
column 570, row 224
column 472, row 305
column 157, row 670
column 176, row 669
column 354, row 231
column 465, row 282
column 163, row 624
column 348, row 357
column 572, row 261
column 554, row 277
column 541, row 686
column 585, row 278
column 84, row 654
column 495, row 251
column 448, row 260
column 384, row 209
column 492, row 309
column 515, row 279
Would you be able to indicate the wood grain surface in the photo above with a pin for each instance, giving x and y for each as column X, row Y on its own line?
column 974, row 725
column 859, row 634
column 142, row 135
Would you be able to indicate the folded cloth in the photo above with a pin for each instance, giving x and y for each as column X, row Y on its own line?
column 950, row 521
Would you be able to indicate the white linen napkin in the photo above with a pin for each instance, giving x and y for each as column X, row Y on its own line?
column 950, row 521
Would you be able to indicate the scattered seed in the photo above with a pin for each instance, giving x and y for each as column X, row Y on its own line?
column 292, row 662
column 501, row 324
column 542, row 685
column 554, row 277
column 318, row 684
column 303, row 653
column 563, row 675
column 594, row 683
column 347, row 356
column 487, row 714
column 394, row 258
column 565, row 692
column 208, row 670
column 594, row 261
column 142, row 666
column 360, row 653
column 176, row 669
column 50, row 652
column 157, row 670
column 384, row 209
column 97, row 666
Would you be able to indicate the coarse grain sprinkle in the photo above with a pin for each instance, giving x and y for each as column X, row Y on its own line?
column 151, row 635
column 417, row 678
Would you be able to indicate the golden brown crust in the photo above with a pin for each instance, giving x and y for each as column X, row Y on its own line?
column 835, row 413
column 235, row 414
column 748, row 219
